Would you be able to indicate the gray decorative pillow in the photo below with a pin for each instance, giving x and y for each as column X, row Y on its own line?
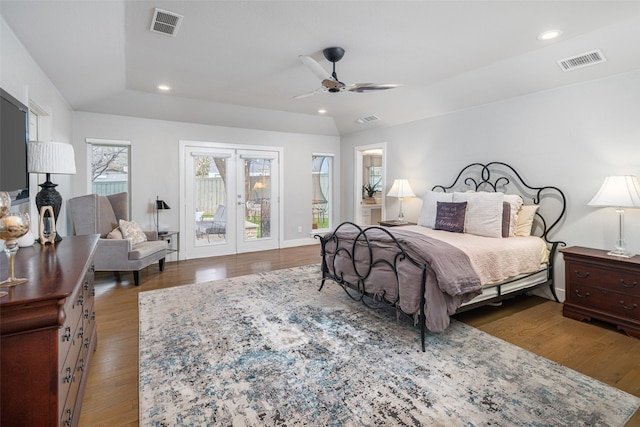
column 450, row 216
column 115, row 234
column 506, row 218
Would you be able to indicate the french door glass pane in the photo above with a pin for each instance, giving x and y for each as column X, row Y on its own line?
column 257, row 190
column 210, row 195
column 320, row 192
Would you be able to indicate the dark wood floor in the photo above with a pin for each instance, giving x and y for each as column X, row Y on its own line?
column 536, row 324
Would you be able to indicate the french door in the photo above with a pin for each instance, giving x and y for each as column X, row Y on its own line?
column 231, row 200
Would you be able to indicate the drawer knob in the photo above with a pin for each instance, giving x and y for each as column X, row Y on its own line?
column 67, row 378
column 69, row 419
column 578, row 294
column 67, row 334
column 624, row 285
column 582, row 276
column 626, row 307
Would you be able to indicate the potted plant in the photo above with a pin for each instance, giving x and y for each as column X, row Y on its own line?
column 370, row 192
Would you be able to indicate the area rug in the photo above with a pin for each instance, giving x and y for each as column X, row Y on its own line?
column 269, row 349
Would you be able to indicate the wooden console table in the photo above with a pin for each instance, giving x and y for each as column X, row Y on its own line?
column 47, row 333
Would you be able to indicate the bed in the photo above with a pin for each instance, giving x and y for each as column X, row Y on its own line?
column 484, row 238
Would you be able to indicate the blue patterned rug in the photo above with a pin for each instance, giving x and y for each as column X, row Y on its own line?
column 269, row 349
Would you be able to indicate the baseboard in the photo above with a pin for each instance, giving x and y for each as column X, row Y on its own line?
column 299, row 242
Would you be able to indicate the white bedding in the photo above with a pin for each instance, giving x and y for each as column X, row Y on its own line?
column 494, row 259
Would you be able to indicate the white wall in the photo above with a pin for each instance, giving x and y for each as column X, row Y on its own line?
column 155, row 168
column 570, row 137
column 21, row 76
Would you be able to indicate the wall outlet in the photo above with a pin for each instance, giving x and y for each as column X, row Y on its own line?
column 299, row 229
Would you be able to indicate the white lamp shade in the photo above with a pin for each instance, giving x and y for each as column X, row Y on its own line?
column 618, row 191
column 401, row 188
column 51, row 157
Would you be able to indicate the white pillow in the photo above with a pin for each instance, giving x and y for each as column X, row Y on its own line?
column 526, row 213
column 515, row 202
column 484, row 212
column 430, row 207
column 131, row 231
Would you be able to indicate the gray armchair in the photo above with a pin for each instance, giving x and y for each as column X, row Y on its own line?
column 94, row 214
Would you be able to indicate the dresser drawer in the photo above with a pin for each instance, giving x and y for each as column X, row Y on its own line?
column 69, row 413
column 69, row 377
column 613, row 303
column 67, row 333
column 619, row 280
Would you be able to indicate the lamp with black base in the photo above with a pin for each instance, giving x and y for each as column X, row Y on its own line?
column 50, row 158
column 160, row 205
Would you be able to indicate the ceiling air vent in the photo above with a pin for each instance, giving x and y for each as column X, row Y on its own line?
column 165, row 22
column 367, row 119
column 582, row 60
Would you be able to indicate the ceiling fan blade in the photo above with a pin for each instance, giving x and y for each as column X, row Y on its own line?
column 308, row 94
column 370, row 87
column 316, row 68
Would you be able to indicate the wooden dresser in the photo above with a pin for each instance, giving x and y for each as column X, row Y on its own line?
column 602, row 287
column 47, row 333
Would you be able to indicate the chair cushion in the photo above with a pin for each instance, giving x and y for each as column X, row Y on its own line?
column 144, row 249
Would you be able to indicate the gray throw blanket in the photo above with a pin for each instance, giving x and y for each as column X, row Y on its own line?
column 450, row 281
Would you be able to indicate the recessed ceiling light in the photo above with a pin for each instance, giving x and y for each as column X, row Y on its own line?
column 322, row 111
column 164, row 87
column 548, row 35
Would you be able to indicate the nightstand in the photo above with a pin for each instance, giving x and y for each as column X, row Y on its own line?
column 602, row 287
column 395, row 223
column 168, row 236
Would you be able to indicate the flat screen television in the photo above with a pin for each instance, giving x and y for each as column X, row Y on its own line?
column 14, row 136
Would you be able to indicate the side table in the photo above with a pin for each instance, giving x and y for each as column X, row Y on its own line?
column 602, row 287
column 173, row 242
column 395, row 223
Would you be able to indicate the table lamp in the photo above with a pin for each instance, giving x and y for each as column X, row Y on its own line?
column 401, row 189
column 160, row 205
column 619, row 192
column 50, row 158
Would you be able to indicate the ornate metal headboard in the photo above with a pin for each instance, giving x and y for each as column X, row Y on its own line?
column 501, row 177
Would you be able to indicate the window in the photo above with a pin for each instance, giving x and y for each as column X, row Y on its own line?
column 321, row 177
column 110, row 166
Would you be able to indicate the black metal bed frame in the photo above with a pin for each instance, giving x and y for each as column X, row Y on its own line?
column 493, row 176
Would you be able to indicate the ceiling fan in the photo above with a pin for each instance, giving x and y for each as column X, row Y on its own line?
column 330, row 81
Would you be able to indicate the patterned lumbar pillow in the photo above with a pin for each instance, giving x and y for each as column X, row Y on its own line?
column 132, row 231
column 450, row 216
